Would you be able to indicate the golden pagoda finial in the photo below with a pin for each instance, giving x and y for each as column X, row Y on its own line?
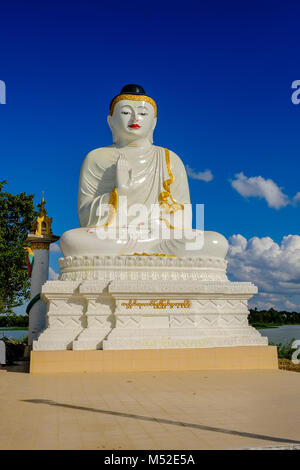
column 42, row 224
column 42, row 209
column 41, row 236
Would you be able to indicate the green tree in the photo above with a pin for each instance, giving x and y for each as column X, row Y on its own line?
column 16, row 217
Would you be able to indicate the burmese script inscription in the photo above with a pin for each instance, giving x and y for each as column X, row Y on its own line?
column 157, row 304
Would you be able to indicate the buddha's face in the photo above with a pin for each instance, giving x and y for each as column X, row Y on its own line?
column 132, row 120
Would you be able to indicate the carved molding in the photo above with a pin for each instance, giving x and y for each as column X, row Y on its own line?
column 179, row 289
column 79, row 268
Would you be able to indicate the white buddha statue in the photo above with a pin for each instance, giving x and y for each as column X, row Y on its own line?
column 133, row 195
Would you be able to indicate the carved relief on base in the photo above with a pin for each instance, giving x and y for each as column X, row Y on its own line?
column 141, row 268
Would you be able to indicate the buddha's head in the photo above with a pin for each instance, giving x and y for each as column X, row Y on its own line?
column 132, row 115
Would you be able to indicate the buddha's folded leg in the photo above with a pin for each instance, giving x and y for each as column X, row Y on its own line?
column 86, row 241
column 93, row 241
column 195, row 243
column 89, row 241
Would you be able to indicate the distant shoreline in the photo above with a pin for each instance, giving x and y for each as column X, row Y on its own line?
column 262, row 326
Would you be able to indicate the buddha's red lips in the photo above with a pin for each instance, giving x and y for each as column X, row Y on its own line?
column 134, row 126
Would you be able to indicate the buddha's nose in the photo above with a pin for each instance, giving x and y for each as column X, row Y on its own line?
column 135, row 115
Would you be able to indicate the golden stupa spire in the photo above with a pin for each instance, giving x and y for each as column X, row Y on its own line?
column 41, row 235
column 42, row 224
column 42, row 209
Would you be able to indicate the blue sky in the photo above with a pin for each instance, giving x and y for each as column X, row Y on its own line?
column 221, row 74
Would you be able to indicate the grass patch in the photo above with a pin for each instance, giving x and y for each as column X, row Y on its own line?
column 13, row 328
column 284, row 351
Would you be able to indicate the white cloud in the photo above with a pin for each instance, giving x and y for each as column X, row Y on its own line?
column 53, row 276
column 54, row 248
column 274, row 268
column 296, row 198
column 257, row 186
column 203, row 176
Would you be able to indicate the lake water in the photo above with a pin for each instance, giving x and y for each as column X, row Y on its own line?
column 13, row 334
column 283, row 334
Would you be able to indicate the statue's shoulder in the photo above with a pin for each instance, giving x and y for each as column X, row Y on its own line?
column 101, row 154
column 174, row 158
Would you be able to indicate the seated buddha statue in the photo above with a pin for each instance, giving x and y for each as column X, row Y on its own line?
column 133, row 195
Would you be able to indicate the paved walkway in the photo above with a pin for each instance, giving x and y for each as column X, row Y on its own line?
column 146, row 410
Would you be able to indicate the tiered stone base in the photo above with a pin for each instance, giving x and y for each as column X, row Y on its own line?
column 238, row 357
column 145, row 302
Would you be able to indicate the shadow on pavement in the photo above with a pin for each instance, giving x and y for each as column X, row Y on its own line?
column 165, row 421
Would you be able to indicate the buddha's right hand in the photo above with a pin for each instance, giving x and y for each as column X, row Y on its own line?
column 123, row 174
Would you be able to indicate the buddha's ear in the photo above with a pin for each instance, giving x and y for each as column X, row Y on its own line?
column 109, row 121
column 154, row 123
column 109, row 117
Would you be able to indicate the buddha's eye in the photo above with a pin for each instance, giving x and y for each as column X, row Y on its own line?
column 125, row 112
column 143, row 114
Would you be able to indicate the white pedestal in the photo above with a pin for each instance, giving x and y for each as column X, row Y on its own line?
column 39, row 277
column 65, row 316
column 174, row 314
column 141, row 302
column 99, row 315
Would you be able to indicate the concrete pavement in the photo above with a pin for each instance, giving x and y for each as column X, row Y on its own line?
column 149, row 410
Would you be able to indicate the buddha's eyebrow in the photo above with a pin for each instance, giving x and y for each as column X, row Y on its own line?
column 142, row 108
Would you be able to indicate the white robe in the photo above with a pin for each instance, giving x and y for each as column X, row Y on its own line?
column 159, row 178
column 151, row 174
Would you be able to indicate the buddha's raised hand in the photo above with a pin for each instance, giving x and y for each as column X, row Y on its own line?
column 123, row 174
